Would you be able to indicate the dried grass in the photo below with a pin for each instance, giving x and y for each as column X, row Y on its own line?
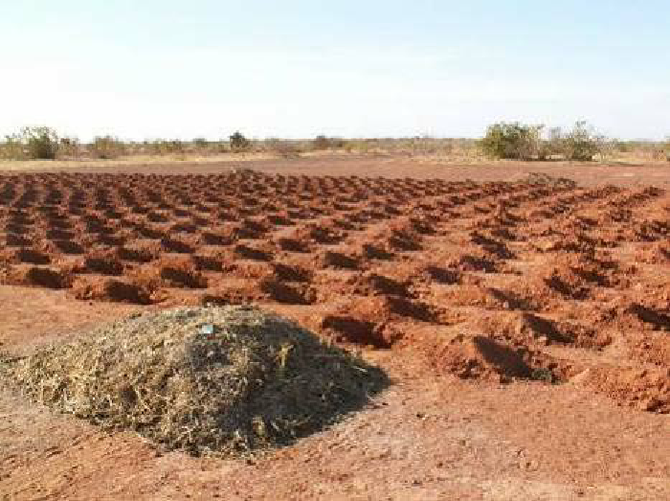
column 259, row 381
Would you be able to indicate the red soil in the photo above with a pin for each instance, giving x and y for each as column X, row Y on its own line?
column 475, row 298
column 512, row 269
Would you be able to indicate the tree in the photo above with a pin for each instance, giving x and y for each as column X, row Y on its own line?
column 238, row 142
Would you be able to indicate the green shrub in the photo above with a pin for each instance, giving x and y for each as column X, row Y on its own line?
column 107, row 147
column 37, row 143
column 525, row 142
column 582, row 143
column 41, row 142
column 238, row 142
column 514, row 141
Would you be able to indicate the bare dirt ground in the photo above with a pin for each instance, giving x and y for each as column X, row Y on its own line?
column 620, row 173
column 525, row 326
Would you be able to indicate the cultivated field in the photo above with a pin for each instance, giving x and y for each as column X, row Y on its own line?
column 536, row 310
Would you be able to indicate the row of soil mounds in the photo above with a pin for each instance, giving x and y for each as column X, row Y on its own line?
column 194, row 232
column 496, row 281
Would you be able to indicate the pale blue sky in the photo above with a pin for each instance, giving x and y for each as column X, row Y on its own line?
column 297, row 68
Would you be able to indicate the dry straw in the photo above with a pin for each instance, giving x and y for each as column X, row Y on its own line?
column 257, row 381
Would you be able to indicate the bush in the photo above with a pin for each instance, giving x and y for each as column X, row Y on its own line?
column 622, row 146
column 68, row 147
column 12, row 149
column 238, row 142
column 514, row 141
column 200, row 143
column 322, row 142
column 41, row 142
column 552, row 145
column 38, row 143
column 107, row 147
column 582, row 143
column 167, row 146
column 525, row 142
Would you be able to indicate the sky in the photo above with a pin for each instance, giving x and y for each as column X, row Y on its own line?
column 365, row 68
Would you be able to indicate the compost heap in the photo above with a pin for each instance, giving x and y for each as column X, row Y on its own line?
column 224, row 381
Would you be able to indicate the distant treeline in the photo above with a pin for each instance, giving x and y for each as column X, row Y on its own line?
column 502, row 141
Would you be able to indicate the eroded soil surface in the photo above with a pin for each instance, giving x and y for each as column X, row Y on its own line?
column 526, row 325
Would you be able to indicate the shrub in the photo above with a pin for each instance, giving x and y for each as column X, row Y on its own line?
column 12, row 149
column 514, row 141
column 175, row 146
column 322, row 142
column 68, row 147
column 552, row 145
column 41, row 142
column 525, row 142
column 622, row 146
column 107, row 147
column 582, row 143
column 167, row 147
column 200, row 143
column 238, row 142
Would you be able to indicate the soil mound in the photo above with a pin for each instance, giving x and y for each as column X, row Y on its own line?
column 223, row 381
column 109, row 289
column 481, row 357
column 645, row 389
column 539, row 266
column 38, row 276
